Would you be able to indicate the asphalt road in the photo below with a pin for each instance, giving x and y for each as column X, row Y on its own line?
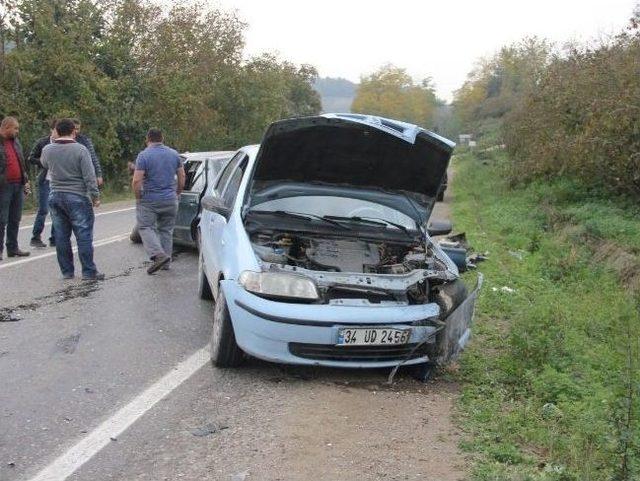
column 111, row 381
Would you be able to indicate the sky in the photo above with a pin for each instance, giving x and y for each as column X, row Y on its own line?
column 441, row 40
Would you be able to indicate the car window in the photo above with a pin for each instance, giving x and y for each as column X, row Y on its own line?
column 226, row 173
column 230, row 192
column 200, row 179
column 190, row 169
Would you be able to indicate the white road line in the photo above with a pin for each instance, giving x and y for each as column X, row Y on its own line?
column 97, row 215
column 102, row 242
column 69, row 462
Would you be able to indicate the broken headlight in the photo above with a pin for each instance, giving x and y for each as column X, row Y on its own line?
column 279, row 284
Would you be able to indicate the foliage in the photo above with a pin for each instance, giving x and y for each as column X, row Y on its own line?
column 499, row 83
column 582, row 118
column 123, row 66
column 391, row 92
column 552, row 379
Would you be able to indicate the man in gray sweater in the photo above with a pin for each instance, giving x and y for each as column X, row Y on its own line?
column 74, row 193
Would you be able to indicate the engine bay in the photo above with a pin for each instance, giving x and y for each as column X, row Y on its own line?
column 341, row 254
column 353, row 268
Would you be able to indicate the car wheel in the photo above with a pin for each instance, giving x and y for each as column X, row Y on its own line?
column 195, row 233
column 224, row 349
column 204, row 288
column 423, row 372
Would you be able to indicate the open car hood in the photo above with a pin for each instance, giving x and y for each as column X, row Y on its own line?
column 392, row 163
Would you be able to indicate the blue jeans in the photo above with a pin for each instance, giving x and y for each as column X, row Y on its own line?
column 43, row 210
column 11, row 200
column 73, row 213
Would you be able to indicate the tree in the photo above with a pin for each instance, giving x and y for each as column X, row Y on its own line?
column 391, row 92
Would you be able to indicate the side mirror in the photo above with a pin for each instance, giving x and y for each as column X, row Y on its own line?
column 215, row 204
column 439, row 227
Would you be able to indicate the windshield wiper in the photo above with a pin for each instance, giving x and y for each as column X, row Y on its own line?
column 372, row 220
column 297, row 215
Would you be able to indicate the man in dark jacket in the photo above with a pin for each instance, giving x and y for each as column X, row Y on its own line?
column 14, row 184
column 86, row 141
column 43, row 190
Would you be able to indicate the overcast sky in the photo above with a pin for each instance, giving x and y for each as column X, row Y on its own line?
column 440, row 39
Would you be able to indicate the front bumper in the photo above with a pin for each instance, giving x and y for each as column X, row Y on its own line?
column 291, row 333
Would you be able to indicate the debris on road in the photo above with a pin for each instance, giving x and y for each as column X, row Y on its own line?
column 9, row 315
column 208, row 429
column 68, row 344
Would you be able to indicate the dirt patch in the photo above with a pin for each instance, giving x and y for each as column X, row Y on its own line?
column 373, row 434
column 625, row 264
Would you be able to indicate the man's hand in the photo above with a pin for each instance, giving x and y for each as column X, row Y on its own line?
column 136, row 183
column 96, row 201
column 100, row 181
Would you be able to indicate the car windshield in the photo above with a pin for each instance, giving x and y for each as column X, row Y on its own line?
column 339, row 207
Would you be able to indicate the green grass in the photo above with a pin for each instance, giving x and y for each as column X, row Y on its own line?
column 550, row 381
column 107, row 194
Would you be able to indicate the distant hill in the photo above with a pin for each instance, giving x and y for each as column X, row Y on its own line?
column 336, row 94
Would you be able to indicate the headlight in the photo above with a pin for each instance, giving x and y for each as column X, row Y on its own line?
column 279, row 284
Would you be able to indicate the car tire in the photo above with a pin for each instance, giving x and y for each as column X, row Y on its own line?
column 224, row 349
column 204, row 288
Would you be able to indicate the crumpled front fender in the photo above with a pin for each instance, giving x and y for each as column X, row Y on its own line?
column 457, row 330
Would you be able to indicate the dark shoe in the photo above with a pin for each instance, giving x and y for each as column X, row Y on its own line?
column 36, row 242
column 135, row 236
column 98, row 276
column 158, row 263
column 67, row 276
column 52, row 243
column 18, row 253
column 0, row 256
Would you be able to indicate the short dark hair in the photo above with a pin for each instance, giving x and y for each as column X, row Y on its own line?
column 155, row 135
column 76, row 121
column 65, row 127
column 53, row 123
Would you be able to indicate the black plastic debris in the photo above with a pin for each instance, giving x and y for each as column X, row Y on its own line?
column 208, row 429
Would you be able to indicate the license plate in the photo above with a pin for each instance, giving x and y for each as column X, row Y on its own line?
column 372, row 337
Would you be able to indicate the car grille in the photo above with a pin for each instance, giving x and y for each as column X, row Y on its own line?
column 328, row 352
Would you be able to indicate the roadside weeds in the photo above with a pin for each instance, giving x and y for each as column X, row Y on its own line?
column 550, row 381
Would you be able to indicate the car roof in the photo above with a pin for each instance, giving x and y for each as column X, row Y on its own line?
column 215, row 155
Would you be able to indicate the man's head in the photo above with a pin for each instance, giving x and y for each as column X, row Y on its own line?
column 65, row 128
column 77, row 123
column 154, row 136
column 52, row 125
column 9, row 127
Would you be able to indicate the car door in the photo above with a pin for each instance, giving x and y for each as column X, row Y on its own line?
column 189, row 201
column 212, row 223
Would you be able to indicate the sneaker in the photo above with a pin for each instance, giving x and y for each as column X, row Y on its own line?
column 158, row 263
column 36, row 242
column 18, row 253
column 98, row 276
column 67, row 276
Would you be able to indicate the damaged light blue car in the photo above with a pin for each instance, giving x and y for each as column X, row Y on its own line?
column 316, row 250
